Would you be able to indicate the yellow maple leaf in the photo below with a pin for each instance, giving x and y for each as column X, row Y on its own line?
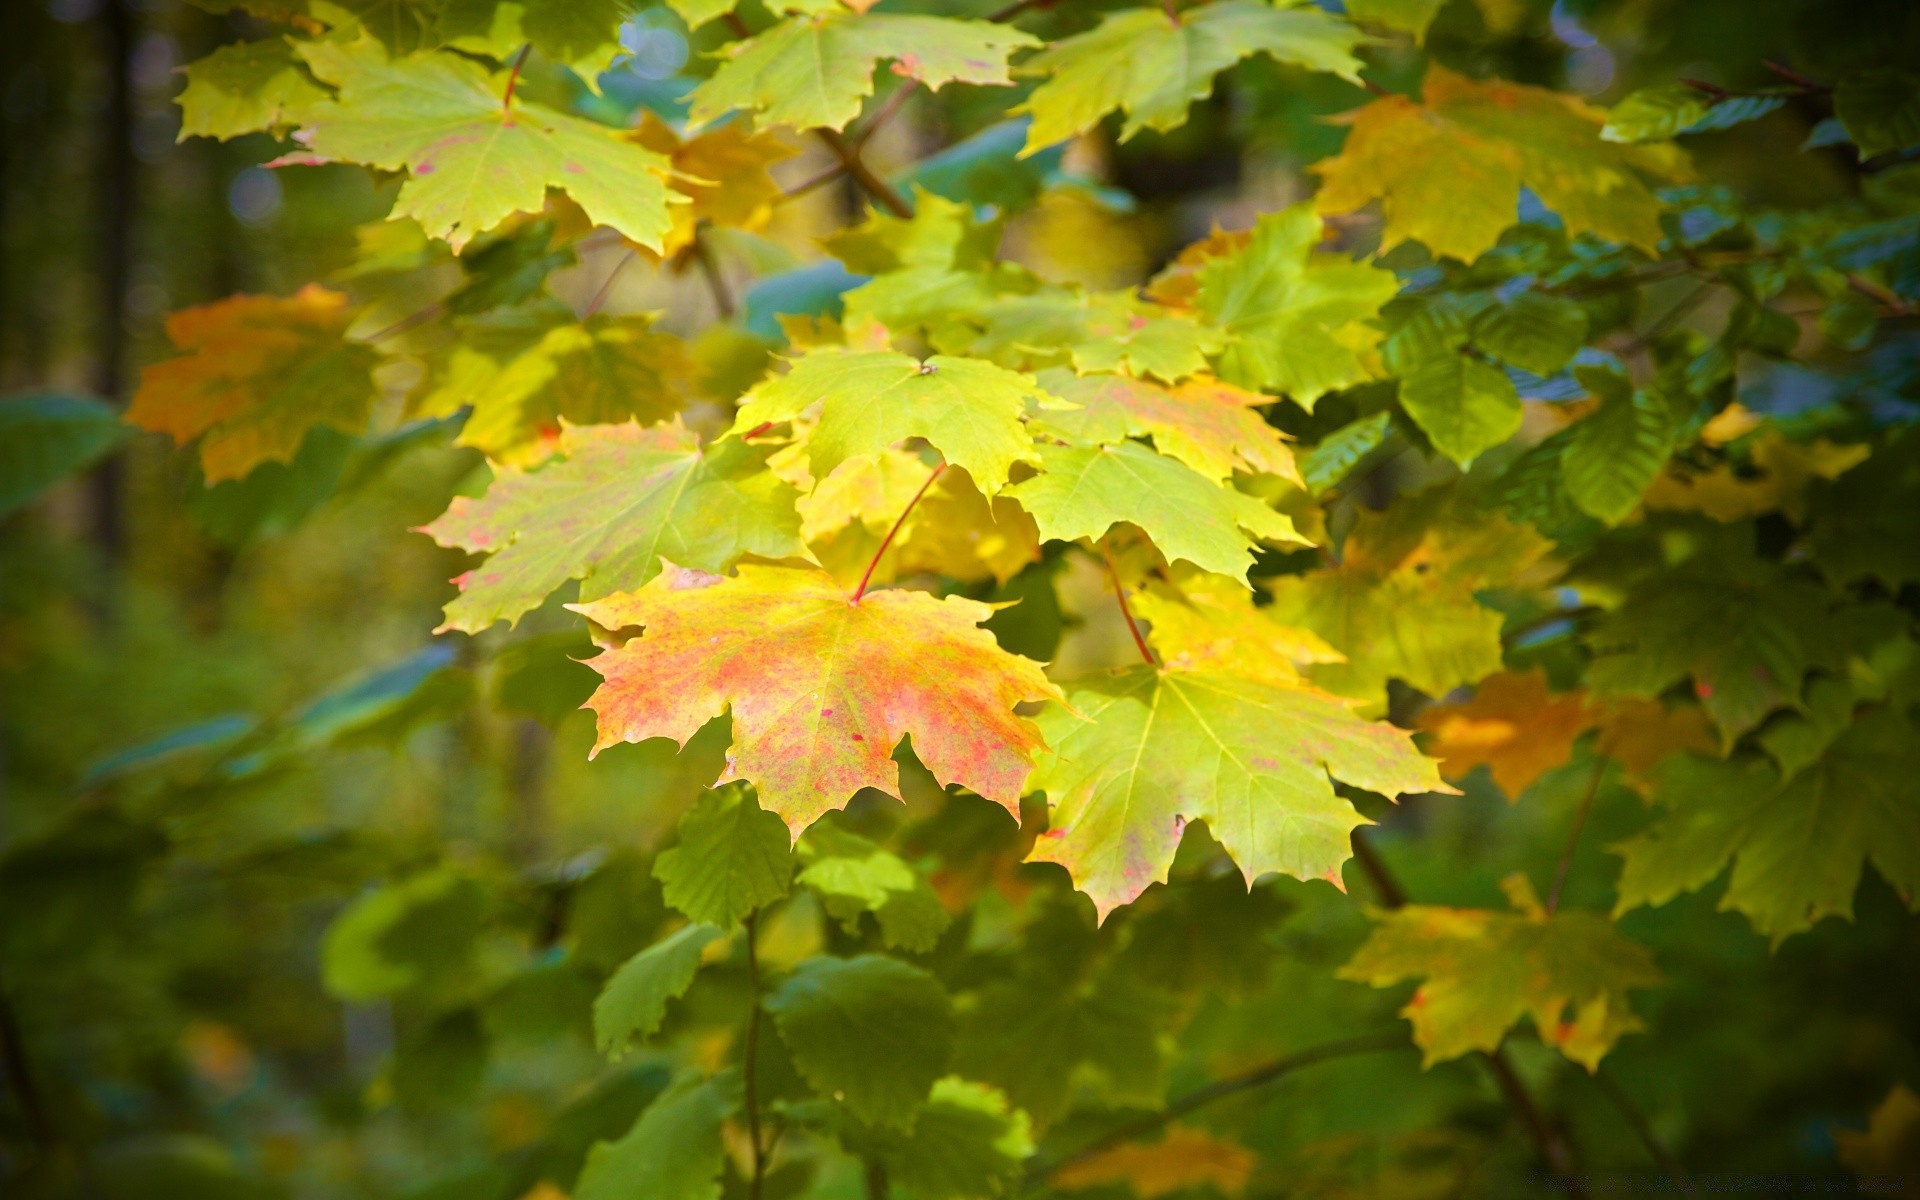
column 1781, row 471
column 255, row 374
column 1448, row 169
column 722, row 170
column 1513, row 725
column 1642, row 734
column 1184, row 1158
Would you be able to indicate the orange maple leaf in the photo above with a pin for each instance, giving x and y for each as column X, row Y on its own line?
column 256, row 373
column 1185, row 1158
column 1513, row 725
column 822, row 685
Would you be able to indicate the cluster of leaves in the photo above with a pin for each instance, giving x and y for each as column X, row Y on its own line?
column 1017, row 655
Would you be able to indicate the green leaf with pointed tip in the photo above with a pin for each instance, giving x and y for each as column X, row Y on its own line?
column 1341, row 451
column 1466, row 406
column 1146, row 751
column 621, row 500
column 1797, row 846
column 245, row 88
column 673, row 1152
column 1083, row 491
column 1659, row 113
column 525, row 372
column 1155, row 66
column 813, row 71
column 1615, row 453
column 1295, row 317
column 1210, row 426
column 403, row 935
column 1880, row 109
column 472, row 161
column 733, row 858
column 46, row 437
column 582, row 34
column 1532, row 331
column 1569, row 971
column 852, row 875
column 1407, row 16
column 871, row 1031
column 966, row 1142
column 634, row 1002
column 968, row 409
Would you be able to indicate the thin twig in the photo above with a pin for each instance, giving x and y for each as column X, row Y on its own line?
column 1643, row 1129
column 883, row 192
column 886, row 113
column 750, row 1057
column 408, row 322
column 876, row 1179
column 1219, row 1089
column 513, row 76
column 1573, row 835
column 809, row 184
column 1811, row 86
column 606, row 288
column 1120, row 594
column 1553, row 1147
column 1879, row 294
column 716, row 282
column 891, row 533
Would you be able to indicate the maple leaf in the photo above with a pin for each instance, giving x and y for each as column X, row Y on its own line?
column 1776, row 478
column 968, row 409
column 246, row 88
column 472, row 160
column 1214, row 623
column 1154, row 63
column 1797, row 844
column 822, row 687
column 1148, row 750
column 1095, row 331
column 1294, row 317
column 619, row 500
column 1569, row 971
column 953, row 530
column 1642, row 734
column 1448, row 169
column 523, row 372
column 812, row 70
column 1208, row 425
column 582, row 34
column 723, row 172
column 255, row 374
column 1184, row 1158
column 1082, row 492
column 1401, row 602
column 1513, row 726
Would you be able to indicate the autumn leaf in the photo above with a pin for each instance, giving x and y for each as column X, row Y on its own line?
column 1154, row 63
column 1213, row 623
column 1568, row 971
column 1145, row 751
column 618, row 500
column 1642, row 734
column 1082, row 492
column 813, row 69
column 1448, row 169
column 244, row 88
column 1295, row 316
column 471, row 160
column 722, row 171
column 953, row 530
column 256, row 373
column 969, row 410
column 1513, row 726
column 1184, row 1158
column 1208, row 425
column 821, row 686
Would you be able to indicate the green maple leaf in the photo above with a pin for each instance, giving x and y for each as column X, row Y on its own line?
column 523, row 372
column 1146, row 751
column 1409, row 16
column 634, row 1001
column 1210, row 426
column 1447, row 171
column 812, row 70
column 674, row 1150
column 822, row 686
column 246, row 88
column 1744, row 631
column 1616, row 452
column 582, row 34
column 871, row 1031
column 1294, row 317
column 965, row 1141
column 733, row 857
column 1569, row 971
column 1094, row 331
column 852, row 875
column 968, row 409
column 1401, row 603
column 1154, row 65
column 620, row 500
column 1083, row 491
column 471, row 160
column 1797, row 843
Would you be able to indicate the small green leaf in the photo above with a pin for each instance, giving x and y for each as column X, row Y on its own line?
column 634, row 1002
column 873, row 1032
column 46, row 437
column 399, row 936
column 1340, row 451
column 673, row 1152
column 245, row 88
column 1615, row 453
column 733, row 858
column 1881, row 110
column 1533, row 331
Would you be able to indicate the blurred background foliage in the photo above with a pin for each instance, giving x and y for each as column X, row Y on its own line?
column 224, row 721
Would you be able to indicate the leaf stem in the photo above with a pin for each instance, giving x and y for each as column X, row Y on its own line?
column 891, row 533
column 1643, row 1129
column 1573, row 836
column 716, row 282
column 750, row 1058
column 1220, row 1089
column 513, row 76
column 1126, row 610
column 407, row 322
column 606, row 288
column 810, row 183
column 886, row 113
